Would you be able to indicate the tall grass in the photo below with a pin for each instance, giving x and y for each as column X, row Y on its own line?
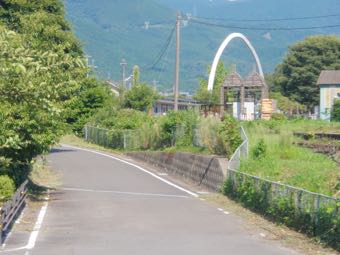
column 288, row 163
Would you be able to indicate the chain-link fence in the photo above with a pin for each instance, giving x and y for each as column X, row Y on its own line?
column 201, row 136
column 312, row 213
column 241, row 152
column 133, row 139
column 115, row 139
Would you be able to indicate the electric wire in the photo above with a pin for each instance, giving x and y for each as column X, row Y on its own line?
column 262, row 28
column 267, row 20
column 162, row 51
column 162, row 66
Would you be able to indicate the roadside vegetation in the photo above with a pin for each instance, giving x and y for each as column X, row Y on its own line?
column 185, row 131
column 44, row 88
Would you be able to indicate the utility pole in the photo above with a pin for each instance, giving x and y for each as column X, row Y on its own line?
column 154, row 82
column 87, row 64
column 123, row 64
column 176, row 85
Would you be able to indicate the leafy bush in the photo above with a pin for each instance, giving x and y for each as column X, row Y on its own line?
column 335, row 114
column 278, row 116
column 7, row 187
column 259, row 150
column 229, row 132
column 178, row 127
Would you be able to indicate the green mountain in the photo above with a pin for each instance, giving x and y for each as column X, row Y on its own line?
column 114, row 29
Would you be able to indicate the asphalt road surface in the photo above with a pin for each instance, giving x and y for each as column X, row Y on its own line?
column 106, row 206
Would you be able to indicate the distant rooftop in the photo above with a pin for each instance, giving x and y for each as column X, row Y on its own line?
column 329, row 77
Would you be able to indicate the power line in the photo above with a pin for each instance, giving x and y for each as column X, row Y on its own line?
column 262, row 28
column 163, row 50
column 163, row 63
column 265, row 20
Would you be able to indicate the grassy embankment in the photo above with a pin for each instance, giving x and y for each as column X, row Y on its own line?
column 288, row 163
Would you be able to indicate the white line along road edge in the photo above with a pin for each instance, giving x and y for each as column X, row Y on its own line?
column 34, row 234
column 136, row 166
column 37, row 226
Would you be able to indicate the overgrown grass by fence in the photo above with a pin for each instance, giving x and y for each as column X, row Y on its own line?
column 315, row 214
column 131, row 140
column 121, row 139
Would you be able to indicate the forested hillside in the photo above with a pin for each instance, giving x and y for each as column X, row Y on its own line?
column 112, row 30
column 43, row 86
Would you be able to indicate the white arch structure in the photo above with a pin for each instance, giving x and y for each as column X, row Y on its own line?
column 220, row 51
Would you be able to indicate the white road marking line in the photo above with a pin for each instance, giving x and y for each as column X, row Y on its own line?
column 136, row 166
column 124, row 193
column 10, row 232
column 34, row 234
column 203, row 193
column 202, row 199
column 162, row 174
column 14, row 249
column 222, row 210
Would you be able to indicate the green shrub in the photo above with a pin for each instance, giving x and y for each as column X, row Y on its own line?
column 335, row 114
column 7, row 187
column 178, row 127
column 260, row 150
column 229, row 131
column 279, row 116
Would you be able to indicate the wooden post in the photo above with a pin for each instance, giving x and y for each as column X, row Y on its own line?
column 222, row 102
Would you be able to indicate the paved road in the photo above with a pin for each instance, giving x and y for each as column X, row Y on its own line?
column 109, row 207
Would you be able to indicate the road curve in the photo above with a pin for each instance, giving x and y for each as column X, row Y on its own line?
column 106, row 206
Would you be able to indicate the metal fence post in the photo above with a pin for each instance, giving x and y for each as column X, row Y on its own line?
column 86, row 134
column 1, row 226
column 124, row 139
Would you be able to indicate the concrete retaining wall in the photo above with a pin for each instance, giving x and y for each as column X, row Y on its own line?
column 206, row 171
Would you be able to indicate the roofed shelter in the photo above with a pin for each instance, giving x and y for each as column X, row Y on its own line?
column 329, row 83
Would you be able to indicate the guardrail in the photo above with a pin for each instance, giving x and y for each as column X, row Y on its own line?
column 10, row 210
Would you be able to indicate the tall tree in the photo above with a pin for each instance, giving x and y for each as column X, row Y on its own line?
column 297, row 75
column 136, row 75
column 141, row 97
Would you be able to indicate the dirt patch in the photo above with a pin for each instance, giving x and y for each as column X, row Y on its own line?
column 43, row 176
